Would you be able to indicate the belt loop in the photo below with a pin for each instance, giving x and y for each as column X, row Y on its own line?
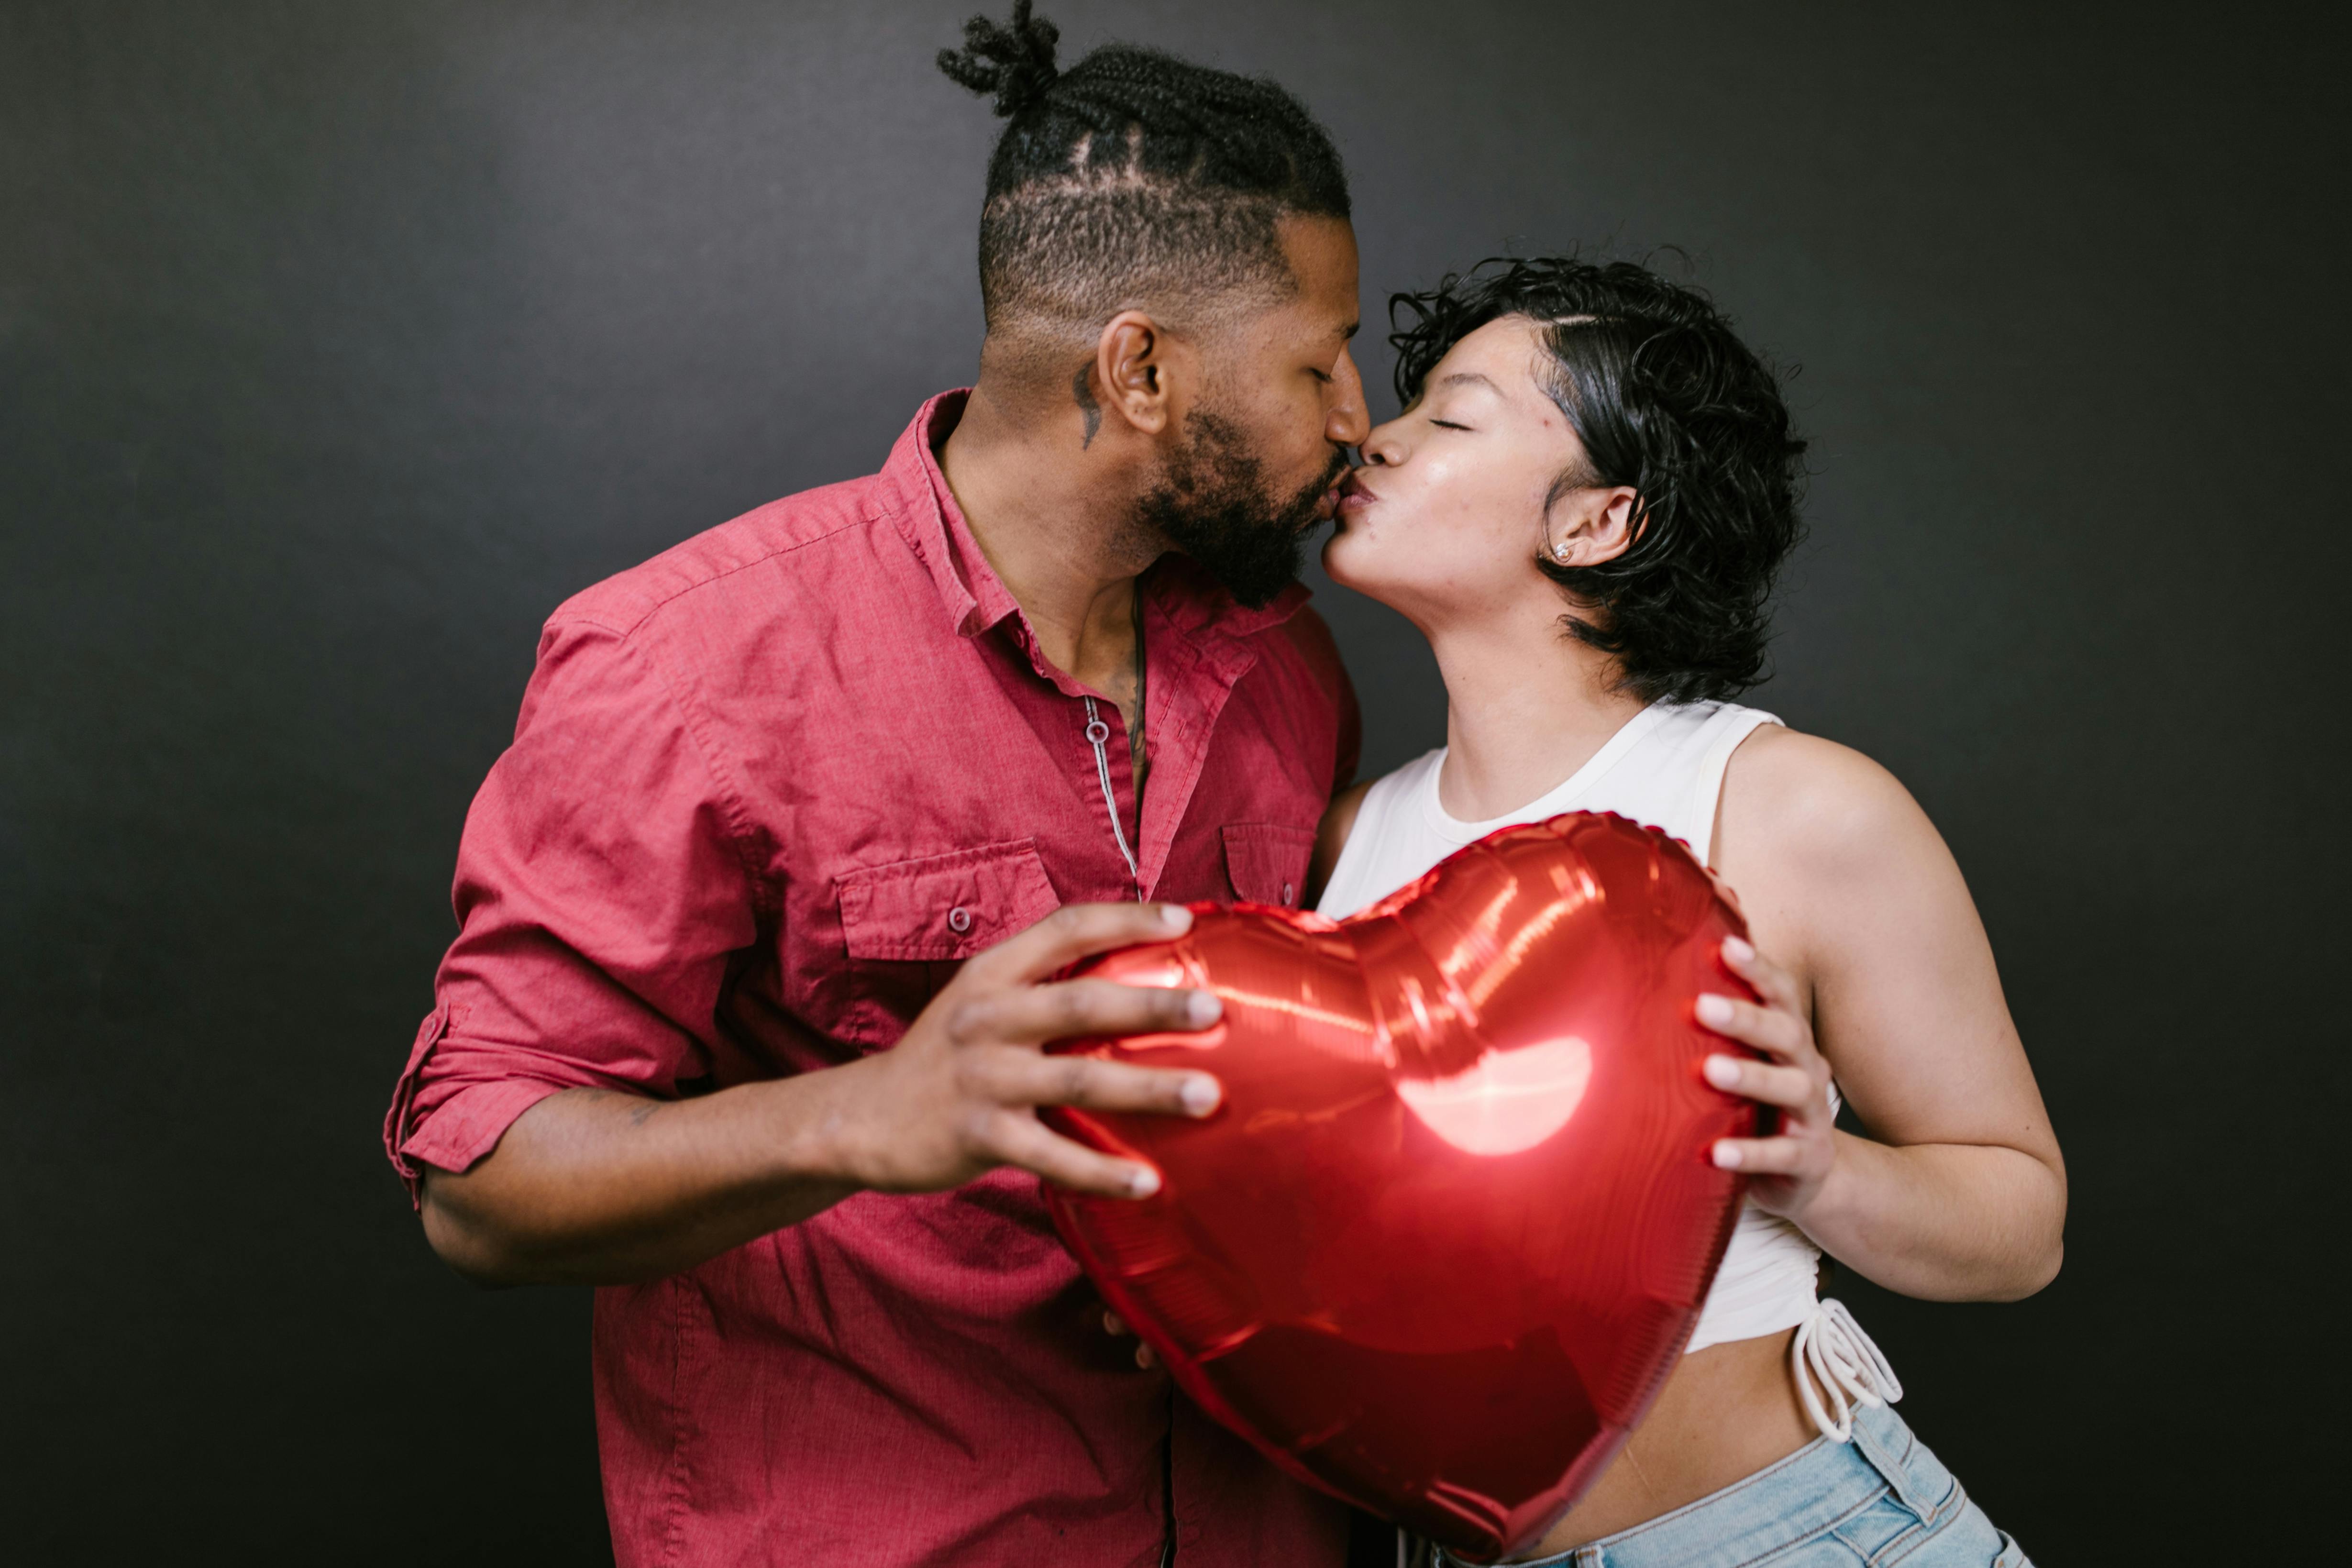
column 1871, row 1440
column 1593, row 1556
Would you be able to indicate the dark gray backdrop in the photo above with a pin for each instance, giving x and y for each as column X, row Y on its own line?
column 339, row 344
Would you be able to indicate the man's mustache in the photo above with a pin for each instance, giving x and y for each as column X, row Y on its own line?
column 1310, row 500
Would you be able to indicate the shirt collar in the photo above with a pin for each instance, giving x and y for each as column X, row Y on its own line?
column 971, row 594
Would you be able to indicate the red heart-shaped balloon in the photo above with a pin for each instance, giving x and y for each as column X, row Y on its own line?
column 1454, row 1221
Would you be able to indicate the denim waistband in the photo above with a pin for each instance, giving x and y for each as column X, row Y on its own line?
column 1823, row 1487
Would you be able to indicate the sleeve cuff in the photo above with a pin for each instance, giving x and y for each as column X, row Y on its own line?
column 457, row 1133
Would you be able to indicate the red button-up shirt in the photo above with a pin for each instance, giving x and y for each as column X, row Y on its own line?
column 767, row 791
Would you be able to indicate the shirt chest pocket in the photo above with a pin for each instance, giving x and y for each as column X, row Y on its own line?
column 944, row 907
column 909, row 924
column 1266, row 861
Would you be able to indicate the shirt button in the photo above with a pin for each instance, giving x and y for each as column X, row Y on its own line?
column 1287, row 890
column 958, row 920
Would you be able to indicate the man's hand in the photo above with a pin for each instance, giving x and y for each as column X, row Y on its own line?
column 593, row 1187
column 959, row 1094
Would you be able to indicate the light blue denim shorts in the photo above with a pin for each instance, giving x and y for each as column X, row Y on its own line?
column 1884, row 1499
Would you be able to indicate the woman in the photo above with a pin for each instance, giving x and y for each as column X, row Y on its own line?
column 1582, row 507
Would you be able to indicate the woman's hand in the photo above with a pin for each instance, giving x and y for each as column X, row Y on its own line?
column 1786, row 1172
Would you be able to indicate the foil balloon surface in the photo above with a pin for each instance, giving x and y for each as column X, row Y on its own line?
column 1453, row 1220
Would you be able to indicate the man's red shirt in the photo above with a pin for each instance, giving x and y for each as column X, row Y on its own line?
column 767, row 791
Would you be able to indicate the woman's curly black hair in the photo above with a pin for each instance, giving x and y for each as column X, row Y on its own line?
column 1668, row 401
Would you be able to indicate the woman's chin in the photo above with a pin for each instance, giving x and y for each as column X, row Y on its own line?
column 1338, row 550
column 1348, row 562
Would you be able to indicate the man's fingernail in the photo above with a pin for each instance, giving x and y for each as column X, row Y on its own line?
column 1736, row 951
column 1143, row 1183
column 1200, row 1095
column 1204, row 1008
column 1178, row 917
column 1714, row 1011
column 1722, row 1072
column 1727, row 1158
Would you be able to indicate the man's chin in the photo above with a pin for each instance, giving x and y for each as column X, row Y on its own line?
column 1258, row 592
column 1254, row 550
column 1256, row 576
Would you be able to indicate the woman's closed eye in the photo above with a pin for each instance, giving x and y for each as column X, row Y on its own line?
column 1448, row 425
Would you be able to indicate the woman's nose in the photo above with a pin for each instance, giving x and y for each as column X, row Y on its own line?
column 1385, row 444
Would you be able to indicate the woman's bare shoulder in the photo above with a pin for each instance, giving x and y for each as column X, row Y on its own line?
column 1339, row 820
column 1344, row 806
column 1810, row 806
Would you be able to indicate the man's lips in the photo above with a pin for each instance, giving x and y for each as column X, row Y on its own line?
column 1328, row 505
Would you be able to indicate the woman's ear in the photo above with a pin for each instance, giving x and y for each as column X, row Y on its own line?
column 1588, row 527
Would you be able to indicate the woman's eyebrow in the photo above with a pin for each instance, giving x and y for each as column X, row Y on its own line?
column 1470, row 376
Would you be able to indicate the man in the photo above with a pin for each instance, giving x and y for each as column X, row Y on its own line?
column 742, row 1022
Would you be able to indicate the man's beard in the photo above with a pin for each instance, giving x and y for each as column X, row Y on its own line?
column 1214, row 504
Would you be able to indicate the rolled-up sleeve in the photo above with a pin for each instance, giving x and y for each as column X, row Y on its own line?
column 604, row 882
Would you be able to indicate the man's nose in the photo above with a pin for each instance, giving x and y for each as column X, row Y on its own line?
column 1350, row 422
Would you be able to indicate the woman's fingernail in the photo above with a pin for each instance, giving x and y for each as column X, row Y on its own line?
column 1714, row 1011
column 1736, row 951
column 1200, row 1094
column 1204, row 1008
column 1178, row 917
column 1722, row 1072
column 1727, row 1158
column 1143, row 1183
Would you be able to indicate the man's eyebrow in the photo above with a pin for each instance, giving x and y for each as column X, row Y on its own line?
column 1349, row 331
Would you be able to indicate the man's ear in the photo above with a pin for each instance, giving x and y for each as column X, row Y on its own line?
column 1587, row 527
column 1139, row 368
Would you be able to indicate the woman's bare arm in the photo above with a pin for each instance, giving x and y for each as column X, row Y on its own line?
column 1875, row 966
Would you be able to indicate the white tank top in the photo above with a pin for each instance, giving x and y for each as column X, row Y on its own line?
column 1665, row 769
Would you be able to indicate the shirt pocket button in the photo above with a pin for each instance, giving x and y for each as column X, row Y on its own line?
column 1288, row 890
column 958, row 920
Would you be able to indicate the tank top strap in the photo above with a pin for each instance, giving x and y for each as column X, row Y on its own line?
column 1385, row 810
column 1723, row 734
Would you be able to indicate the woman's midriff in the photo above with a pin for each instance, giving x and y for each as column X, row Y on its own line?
column 1727, row 1412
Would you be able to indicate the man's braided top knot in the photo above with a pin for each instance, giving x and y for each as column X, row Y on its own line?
column 1015, row 62
column 1134, row 177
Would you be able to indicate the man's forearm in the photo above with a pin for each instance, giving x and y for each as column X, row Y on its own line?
column 589, row 1187
column 592, row 1187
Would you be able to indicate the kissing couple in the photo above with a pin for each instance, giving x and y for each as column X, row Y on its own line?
column 759, row 916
